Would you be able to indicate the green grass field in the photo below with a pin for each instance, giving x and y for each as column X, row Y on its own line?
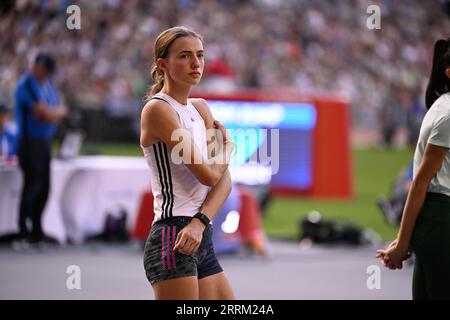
column 374, row 171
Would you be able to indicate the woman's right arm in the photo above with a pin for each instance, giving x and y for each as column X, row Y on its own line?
column 159, row 122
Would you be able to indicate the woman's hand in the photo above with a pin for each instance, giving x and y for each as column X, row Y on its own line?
column 393, row 256
column 189, row 238
column 223, row 131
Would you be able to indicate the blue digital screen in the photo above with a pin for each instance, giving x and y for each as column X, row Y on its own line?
column 264, row 114
column 274, row 141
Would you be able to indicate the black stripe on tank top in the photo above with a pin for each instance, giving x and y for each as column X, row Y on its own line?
column 162, row 149
column 161, row 180
column 166, row 154
column 167, row 178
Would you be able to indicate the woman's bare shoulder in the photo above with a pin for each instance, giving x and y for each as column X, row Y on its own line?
column 156, row 110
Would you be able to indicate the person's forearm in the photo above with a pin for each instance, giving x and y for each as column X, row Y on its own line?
column 210, row 207
column 413, row 206
column 220, row 162
column 217, row 196
column 47, row 114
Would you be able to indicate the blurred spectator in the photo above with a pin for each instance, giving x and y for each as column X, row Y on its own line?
column 392, row 207
column 7, row 137
column 390, row 117
column 38, row 111
column 317, row 46
column 415, row 115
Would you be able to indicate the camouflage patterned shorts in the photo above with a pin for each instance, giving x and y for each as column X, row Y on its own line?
column 162, row 263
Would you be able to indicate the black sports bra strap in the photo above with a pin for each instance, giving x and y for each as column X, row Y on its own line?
column 159, row 98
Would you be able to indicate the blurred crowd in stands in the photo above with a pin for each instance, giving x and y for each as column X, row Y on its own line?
column 305, row 45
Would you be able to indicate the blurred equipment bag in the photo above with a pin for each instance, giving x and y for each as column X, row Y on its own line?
column 319, row 230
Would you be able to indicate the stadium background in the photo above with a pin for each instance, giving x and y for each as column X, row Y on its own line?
column 309, row 47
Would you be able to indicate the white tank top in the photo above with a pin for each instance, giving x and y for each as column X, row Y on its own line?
column 176, row 191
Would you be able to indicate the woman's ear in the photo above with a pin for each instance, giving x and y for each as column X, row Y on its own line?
column 447, row 72
column 161, row 64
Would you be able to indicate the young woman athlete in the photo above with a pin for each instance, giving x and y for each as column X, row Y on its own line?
column 179, row 258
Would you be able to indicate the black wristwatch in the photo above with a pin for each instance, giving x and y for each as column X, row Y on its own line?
column 203, row 218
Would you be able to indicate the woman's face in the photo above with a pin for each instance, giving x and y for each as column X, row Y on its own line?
column 185, row 62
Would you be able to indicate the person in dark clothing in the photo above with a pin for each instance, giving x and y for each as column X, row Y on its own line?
column 425, row 223
column 38, row 111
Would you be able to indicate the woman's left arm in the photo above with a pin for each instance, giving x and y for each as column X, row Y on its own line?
column 220, row 192
column 189, row 238
column 217, row 197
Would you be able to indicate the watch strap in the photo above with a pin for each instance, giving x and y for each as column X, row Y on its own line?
column 203, row 218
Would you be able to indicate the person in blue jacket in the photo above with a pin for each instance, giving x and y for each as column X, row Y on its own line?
column 38, row 111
